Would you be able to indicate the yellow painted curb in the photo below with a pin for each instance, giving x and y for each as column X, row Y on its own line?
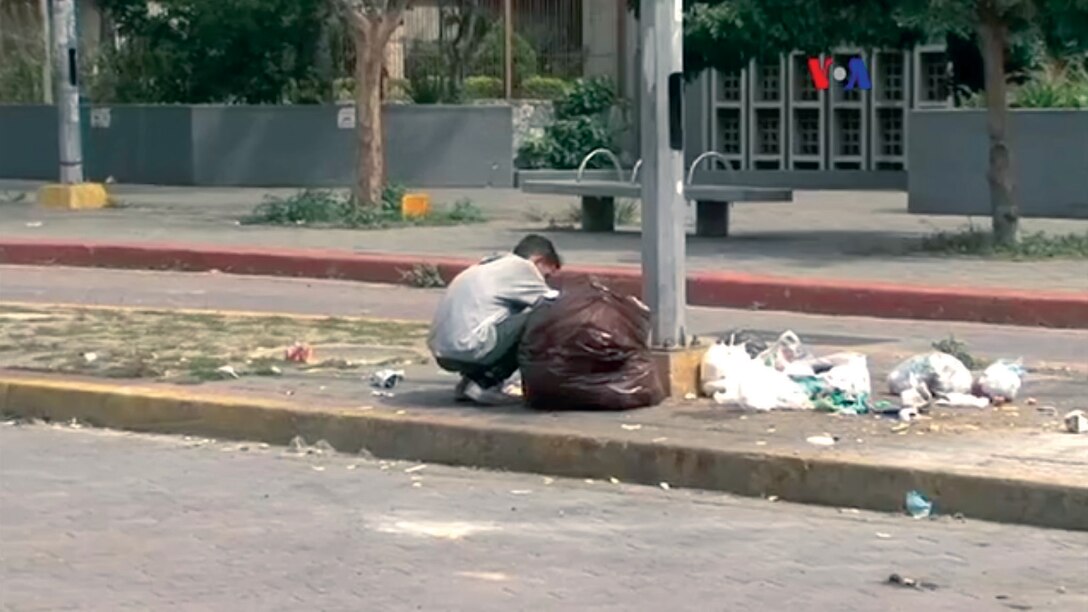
column 83, row 196
column 527, row 447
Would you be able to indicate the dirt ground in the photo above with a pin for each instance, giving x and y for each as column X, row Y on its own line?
column 189, row 347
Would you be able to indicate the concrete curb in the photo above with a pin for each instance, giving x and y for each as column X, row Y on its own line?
column 1053, row 309
column 792, row 477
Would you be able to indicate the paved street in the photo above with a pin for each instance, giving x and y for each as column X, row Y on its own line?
column 842, row 235
column 98, row 520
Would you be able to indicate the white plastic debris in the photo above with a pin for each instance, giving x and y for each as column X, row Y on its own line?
column 386, row 379
column 847, row 372
column 824, row 440
column 227, row 371
column 634, row 427
column 90, row 357
column 1002, row 380
column 1076, row 422
column 963, row 400
column 764, row 388
column 941, row 374
column 786, row 350
column 722, row 368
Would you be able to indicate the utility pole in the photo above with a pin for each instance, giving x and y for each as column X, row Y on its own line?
column 662, row 144
column 47, row 44
column 66, row 52
column 508, row 45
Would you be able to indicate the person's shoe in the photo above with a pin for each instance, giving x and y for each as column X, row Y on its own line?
column 489, row 397
column 459, row 393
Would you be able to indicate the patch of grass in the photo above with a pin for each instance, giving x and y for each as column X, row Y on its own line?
column 192, row 348
column 959, row 350
column 330, row 209
column 1038, row 245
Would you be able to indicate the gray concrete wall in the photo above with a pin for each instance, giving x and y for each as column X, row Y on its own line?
column 288, row 146
column 949, row 161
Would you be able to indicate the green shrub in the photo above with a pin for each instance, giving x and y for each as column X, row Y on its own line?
column 544, row 88
column 1053, row 88
column 591, row 96
column 581, row 125
column 483, row 88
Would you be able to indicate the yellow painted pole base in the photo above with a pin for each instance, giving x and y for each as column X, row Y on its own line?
column 84, row 196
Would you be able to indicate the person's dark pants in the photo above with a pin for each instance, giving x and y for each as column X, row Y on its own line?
column 500, row 364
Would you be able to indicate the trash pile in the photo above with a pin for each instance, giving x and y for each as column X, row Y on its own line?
column 787, row 376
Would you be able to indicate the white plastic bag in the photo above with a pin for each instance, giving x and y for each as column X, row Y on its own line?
column 847, row 372
column 722, row 368
column 786, row 350
column 763, row 388
column 941, row 373
column 1002, row 380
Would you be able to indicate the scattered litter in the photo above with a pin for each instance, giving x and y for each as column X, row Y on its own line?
column 520, row 492
column 352, row 466
column 902, row 427
column 849, row 511
column 908, row 414
column 34, row 224
column 883, row 536
column 910, row 583
column 228, row 371
column 384, row 394
column 400, row 411
column 772, row 498
column 318, row 468
column 940, row 373
column 665, row 486
column 659, row 440
column 1076, row 422
column 322, row 447
column 631, row 427
column 1001, row 381
column 297, row 446
column 761, row 443
column 416, row 485
column 299, row 353
column 386, row 379
column 1031, row 401
column 589, row 481
column 824, row 440
column 963, row 400
column 548, row 480
column 690, row 396
column 916, row 396
column 614, row 480
column 416, row 468
column 917, row 505
column 262, row 445
column 785, row 350
column 90, row 357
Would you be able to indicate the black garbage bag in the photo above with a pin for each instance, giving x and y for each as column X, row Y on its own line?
column 587, row 350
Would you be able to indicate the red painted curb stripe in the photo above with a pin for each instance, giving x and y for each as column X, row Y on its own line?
column 1044, row 309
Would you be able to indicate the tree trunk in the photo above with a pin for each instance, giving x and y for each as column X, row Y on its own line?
column 993, row 35
column 369, row 55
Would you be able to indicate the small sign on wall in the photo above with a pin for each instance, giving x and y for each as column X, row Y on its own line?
column 345, row 119
column 100, row 118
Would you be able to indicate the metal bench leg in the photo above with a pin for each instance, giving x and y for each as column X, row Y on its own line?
column 598, row 214
column 712, row 219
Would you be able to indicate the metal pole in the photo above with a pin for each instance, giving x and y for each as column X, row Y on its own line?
column 65, row 44
column 508, row 54
column 47, row 43
column 662, row 143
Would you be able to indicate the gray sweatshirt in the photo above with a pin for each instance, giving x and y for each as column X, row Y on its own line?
column 478, row 300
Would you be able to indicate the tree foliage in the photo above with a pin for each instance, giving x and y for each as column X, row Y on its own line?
column 207, row 51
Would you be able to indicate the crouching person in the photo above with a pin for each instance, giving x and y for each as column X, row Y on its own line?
column 481, row 318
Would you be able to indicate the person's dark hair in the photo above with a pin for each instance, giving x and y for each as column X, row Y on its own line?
column 535, row 244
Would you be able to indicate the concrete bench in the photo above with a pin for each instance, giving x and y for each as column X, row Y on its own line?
column 712, row 202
